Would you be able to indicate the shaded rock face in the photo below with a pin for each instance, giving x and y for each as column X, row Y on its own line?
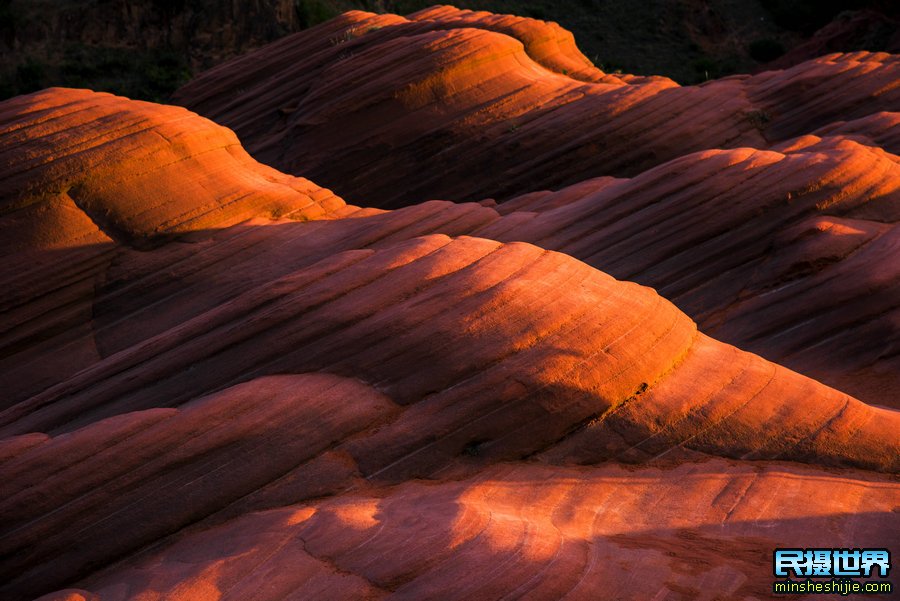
column 466, row 105
column 790, row 253
column 503, row 106
column 852, row 30
column 223, row 381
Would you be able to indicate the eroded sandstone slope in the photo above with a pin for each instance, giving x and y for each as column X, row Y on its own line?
column 457, row 105
column 222, row 381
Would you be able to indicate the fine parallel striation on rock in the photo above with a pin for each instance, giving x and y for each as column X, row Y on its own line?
column 221, row 381
column 459, row 105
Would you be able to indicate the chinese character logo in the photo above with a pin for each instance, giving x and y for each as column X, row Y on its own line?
column 825, row 563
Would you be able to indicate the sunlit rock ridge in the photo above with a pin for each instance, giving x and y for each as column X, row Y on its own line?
column 548, row 333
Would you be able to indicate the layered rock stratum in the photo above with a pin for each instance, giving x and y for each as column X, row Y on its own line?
column 225, row 382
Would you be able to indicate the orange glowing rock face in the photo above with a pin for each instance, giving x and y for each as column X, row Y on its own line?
column 223, row 382
column 135, row 171
column 789, row 253
column 505, row 105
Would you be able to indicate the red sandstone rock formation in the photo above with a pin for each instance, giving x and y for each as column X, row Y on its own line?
column 538, row 356
column 136, row 170
column 461, row 105
column 223, row 382
column 790, row 253
column 545, row 532
column 454, row 105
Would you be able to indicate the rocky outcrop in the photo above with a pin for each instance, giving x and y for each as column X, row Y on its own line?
column 472, row 107
column 538, row 356
column 137, row 171
column 223, row 381
column 87, row 175
column 391, row 96
column 790, row 253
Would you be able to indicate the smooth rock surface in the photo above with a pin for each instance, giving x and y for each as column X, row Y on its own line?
column 223, row 382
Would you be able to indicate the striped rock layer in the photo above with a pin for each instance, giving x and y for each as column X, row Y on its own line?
column 457, row 105
column 800, row 268
column 223, row 382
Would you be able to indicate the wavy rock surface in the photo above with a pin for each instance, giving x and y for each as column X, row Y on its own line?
column 526, row 531
column 879, row 130
column 495, row 114
column 84, row 174
column 811, row 231
column 790, row 253
column 598, row 370
column 223, row 382
column 136, row 170
column 464, row 105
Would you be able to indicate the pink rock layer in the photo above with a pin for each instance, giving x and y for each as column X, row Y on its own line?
column 454, row 104
column 801, row 268
column 222, row 382
column 694, row 531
